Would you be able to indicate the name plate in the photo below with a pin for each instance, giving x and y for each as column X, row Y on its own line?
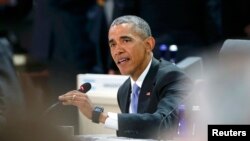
column 101, row 83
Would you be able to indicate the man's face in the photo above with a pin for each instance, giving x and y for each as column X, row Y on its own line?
column 129, row 50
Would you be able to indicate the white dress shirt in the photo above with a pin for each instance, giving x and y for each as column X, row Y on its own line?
column 112, row 120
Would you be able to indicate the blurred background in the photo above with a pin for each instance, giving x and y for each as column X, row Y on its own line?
column 44, row 44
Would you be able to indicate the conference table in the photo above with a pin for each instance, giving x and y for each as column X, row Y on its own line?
column 112, row 137
column 105, row 137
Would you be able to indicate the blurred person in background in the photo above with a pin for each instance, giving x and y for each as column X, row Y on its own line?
column 15, row 32
column 30, row 128
column 10, row 88
column 225, row 94
column 62, row 49
column 232, row 83
column 11, row 95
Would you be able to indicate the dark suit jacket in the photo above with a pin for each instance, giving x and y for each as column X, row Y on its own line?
column 167, row 86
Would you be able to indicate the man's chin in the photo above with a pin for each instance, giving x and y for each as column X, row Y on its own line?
column 124, row 72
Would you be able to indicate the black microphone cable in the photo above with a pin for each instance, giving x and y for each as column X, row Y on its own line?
column 84, row 88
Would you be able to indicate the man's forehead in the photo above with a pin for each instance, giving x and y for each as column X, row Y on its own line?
column 121, row 27
column 122, row 30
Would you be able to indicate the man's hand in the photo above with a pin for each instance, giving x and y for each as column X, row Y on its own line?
column 80, row 100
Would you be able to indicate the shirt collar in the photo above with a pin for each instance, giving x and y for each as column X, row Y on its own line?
column 141, row 78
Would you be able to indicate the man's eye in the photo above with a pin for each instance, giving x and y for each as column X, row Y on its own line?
column 111, row 45
column 126, row 40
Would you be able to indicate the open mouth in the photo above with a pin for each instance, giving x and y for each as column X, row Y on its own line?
column 123, row 60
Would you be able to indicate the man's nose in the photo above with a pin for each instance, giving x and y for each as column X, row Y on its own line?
column 119, row 50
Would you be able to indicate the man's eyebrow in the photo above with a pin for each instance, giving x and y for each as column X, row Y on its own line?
column 122, row 37
column 125, row 37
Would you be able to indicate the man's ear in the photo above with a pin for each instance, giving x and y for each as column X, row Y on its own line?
column 150, row 42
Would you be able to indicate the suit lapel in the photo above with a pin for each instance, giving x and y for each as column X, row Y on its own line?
column 126, row 96
column 147, row 86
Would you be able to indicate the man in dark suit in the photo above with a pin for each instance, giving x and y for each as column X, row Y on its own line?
column 150, row 97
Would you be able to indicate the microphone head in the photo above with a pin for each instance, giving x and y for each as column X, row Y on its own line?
column 85, row 87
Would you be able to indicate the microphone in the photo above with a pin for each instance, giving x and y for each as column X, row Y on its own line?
column 84, row 88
